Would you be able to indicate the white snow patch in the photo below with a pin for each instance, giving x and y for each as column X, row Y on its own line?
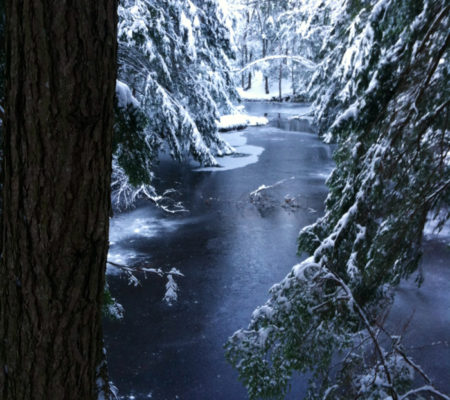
column 239, row 121
column 300, row 269
column 263, row 335
column 350, row 112
column 245, row 154
column 171, row 294
column 186, row 25
column 263, row 312
column 116, row 310
column 257, row 91
column 120, row 256
column 124, row 95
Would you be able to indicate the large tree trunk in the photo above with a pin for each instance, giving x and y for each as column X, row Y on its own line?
column 61, row 69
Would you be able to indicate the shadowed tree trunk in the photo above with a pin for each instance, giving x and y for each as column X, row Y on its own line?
column 245, row 51
column 61, row 70
column 248, row 58
column 280, row 80
column 244, row 58
column 249, row 78
column 280, row 72
column 264, row 54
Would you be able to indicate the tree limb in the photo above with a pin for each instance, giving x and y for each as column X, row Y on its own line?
column 308, row 64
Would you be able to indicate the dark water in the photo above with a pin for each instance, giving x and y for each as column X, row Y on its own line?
column 422, row 315
column 231, row 247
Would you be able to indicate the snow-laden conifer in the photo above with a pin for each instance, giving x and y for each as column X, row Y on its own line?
column 382, row 94
column 174, row 58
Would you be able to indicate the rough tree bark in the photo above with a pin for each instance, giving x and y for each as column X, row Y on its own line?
column 61, row 70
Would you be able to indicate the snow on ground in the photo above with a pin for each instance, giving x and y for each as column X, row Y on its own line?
column 239, row 121
column 305, row 116
column 245, row 154
column 257, row 91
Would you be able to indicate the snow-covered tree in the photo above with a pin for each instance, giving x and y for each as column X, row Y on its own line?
column 383, row 96
column 243, row 32
column 282, row 39
column 303, row 27
column 174, row 81
column 258, row 37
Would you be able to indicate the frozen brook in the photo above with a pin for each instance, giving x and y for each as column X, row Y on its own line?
column 238, row 239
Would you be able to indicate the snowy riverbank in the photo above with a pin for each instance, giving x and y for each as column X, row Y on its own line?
column 239, row 121
column 258, row 93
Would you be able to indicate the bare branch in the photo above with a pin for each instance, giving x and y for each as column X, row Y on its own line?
column 427, row 389
column 371, row 332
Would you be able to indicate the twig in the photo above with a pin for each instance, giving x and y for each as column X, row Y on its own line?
column 371, row 332
column 264, row 187
column 412, row 364
column 426, row 388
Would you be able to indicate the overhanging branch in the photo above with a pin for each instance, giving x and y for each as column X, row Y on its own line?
column 308, row 64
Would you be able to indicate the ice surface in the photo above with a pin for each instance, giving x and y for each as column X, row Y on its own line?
column 136, row 225
column 245, row 154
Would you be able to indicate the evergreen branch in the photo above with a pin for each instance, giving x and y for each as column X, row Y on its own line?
column 438, row 191
column 433, row 27
column 371, row 332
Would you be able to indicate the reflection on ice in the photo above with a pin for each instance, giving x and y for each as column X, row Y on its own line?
column 140, row 224
column 121, row 256
column 322, row 175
